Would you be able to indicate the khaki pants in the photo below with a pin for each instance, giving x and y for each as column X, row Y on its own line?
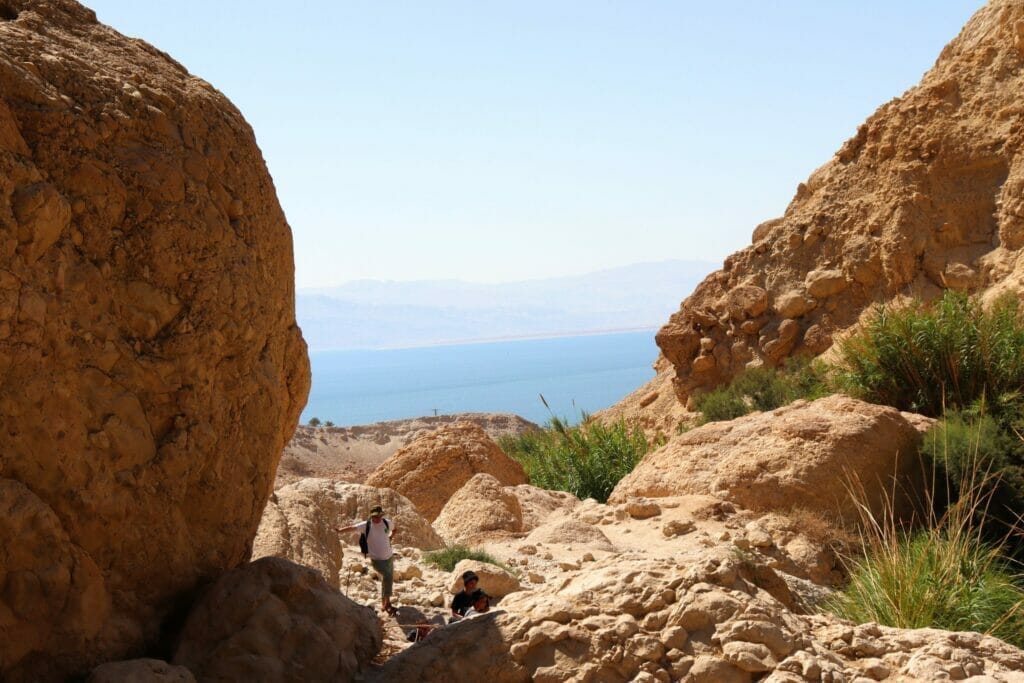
column 386, row 569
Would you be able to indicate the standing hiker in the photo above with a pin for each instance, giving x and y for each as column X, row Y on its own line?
column 375, row 540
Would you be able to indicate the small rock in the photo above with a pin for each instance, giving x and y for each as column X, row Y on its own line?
column 677, row 527
column 642, row 509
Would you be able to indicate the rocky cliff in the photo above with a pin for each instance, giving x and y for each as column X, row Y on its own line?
column 150, row 365
column 928, row 194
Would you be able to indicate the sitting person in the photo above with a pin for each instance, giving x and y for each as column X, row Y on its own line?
column 462, row 601
column 481, row 604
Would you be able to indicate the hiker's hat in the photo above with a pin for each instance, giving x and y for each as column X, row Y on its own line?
column 376, row 511
column 468, row 576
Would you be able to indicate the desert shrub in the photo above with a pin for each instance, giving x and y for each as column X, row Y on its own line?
column 968, row 441
column 328, row 423
column 314, row 422
column 763, row 389
column 943, row 576
column 446, row 558
column 586, row 460
column 926, row 358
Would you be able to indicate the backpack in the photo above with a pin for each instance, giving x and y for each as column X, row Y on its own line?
column 362, row 537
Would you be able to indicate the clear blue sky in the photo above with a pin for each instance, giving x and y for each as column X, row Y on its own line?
column 500, row 141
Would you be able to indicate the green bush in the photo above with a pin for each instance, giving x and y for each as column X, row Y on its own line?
column 314, row 422
column 446, row 558
column 968, row 443
column 763, row 389
column 587, row 460
column 926, row 358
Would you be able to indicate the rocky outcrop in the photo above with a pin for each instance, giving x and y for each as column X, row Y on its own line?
column 352, row 453
column 806, row 454
column 927, row 195
column 150, row 365
column 436, row 465
column 300, row 519
column 272, row 620
column 696, row 610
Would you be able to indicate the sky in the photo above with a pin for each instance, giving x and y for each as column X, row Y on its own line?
column 503, row 141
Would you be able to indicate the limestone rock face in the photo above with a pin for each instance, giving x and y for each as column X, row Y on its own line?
column 272, row 620
column 804, row 454
column 436, row 465
column 928, row 194
column 299, row 521
column 150, row 365
column 699, row 614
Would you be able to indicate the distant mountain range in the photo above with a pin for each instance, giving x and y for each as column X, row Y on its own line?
column 373, row 314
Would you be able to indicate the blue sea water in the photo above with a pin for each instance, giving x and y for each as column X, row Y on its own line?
column 586, row 373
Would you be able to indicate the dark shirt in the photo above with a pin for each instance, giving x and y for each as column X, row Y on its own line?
column 461, row 603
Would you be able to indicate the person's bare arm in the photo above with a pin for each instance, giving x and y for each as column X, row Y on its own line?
column 343, row 529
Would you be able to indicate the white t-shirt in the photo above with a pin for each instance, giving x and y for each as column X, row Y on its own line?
column 377, row 539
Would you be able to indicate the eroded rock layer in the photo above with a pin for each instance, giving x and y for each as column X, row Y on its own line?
column 929, row 194
column 150, row 365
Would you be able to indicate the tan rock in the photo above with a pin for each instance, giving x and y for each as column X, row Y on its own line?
column 433, row 467
column 494, row 580
column 469, row 651
column 572, row 532
column 539, row 505
column 273, row 620
column 481, row 506
column 152, row 369
column 140, row 671
column 805, row 454
column 299, row 521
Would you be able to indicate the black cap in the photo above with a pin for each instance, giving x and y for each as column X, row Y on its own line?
column 468, row 576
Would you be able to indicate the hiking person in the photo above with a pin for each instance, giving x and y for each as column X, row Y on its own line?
column 375, row 540
column 481, row 603
column 462, row 602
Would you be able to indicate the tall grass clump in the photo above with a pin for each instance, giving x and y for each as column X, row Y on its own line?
column 942, row 576
column 926, row 358
column 446, row 558
column 763, row 389
column 586, row 460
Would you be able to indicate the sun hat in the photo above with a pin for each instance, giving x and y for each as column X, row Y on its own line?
column 376, row 511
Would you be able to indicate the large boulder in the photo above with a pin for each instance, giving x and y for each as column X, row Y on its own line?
column 150, row 366
column 494, row 580
column 299, row 521
column 468, row 651
column 807, row 454
column 140, row 671
column 272, row 620
column 928, row 194
column 483, row 507
column 436, row 465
